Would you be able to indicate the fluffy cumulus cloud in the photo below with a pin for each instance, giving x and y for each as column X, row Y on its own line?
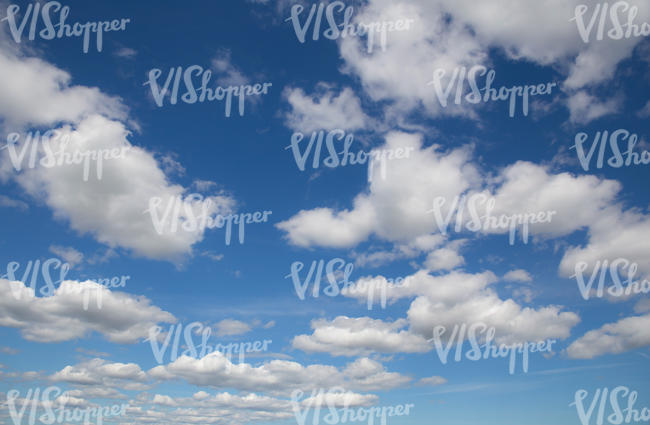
column 615, row 234
column 360, row 336
column 584, row 107
column 324, row 110
column 446, row 258
column 231, row 327
column 76, row 309
column 202, row 407
column 99, row 378
column 102, row 373
column 225, row 400
column 106, row 198
column 400, row 74
column 35, row 92
column 624, row 335
column 325, row 227
column 450, row 300
column 277, row 376
column 448, row 34
column 396, row 207
column 115, row 209
column 401, row 208
column 518, row 275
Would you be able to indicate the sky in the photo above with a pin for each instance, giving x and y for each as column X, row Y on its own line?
column 356, row 186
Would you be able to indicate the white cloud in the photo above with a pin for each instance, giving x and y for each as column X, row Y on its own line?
column 202, row 399
column 345, row 336
column 324, row 110
column 455, row 33
column 231, row 327
column 37, row 93
column 113, row 209
column 398, row 209
column 613, row 234
column 446, row 258
column 97, row 392
column 163, row 400
column 400, row 73
column 460, row 298
column 102, row 373
column 68, row 254
column 585, row 107
column 412, row 249
column 518, row 275
column 624, row 335
column 339, row 399
column 323, row 226
column 277, row 376
column 120, row 317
